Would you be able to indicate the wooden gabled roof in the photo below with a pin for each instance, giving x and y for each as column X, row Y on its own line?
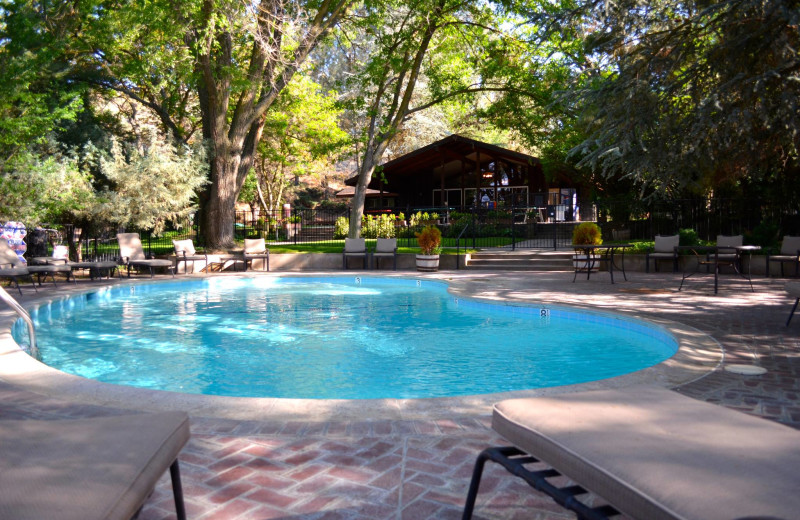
column 449, row 153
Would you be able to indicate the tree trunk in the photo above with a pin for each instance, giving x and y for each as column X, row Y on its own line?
column 371, row 158
column 220, row 211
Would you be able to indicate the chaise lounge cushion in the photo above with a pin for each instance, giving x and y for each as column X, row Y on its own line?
column 654, row 454
column 98, row 468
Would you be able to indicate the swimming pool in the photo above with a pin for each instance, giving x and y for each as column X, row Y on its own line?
column 333, row 337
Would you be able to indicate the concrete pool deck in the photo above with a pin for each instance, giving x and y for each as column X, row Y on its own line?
column 266, row 458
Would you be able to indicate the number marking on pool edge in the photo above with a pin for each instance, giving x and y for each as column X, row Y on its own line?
column 419, row 283
column 358, row 280
column 544, row 313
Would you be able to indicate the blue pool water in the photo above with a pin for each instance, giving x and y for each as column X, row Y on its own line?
column 336, row 337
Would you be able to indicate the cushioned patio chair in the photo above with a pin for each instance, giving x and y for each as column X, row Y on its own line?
column 385, row 248
column 185, row 252
column 132, row 255
column 649, row 453
column 355, row 247
column 100, row 468
column 9, row 259
column 727, row 252
column 666, row 248
column 96, row 268
column 255, row 249
column 790, row 253
column 13, row 274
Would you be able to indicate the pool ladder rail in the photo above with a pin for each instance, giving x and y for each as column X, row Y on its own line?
column 22, row 313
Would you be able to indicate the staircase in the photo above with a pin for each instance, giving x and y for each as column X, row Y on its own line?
column 521, row 260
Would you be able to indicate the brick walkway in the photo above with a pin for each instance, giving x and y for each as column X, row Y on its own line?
column 420, row 468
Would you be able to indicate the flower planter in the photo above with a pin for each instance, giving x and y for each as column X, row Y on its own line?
column 427, row 263
column 579, row 262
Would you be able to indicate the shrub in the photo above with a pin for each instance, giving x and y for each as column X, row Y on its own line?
column 689, row 237
column 430, row 240
column 381, row 226
column 341, row 227
column 765, row 234
column 587, row 233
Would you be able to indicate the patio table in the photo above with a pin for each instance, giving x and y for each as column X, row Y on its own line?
column 712, row 260
column 600, row 253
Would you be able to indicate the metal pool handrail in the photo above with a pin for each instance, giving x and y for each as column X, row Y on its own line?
column 22, row 313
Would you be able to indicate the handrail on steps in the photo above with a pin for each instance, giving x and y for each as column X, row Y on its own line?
column 22, row 313
column 458, row 246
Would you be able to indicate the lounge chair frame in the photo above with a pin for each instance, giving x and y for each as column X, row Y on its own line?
column 131, row 244
column 793, row 289
column 666, row 248
column 255, row 249
column 14, row 273
column 514, row 460
column 385, row 248
column 355, row 247
column 790, row 253
column 648, row 452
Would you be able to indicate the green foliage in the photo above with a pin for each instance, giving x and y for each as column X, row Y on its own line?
column 38, row 190
column 380, row 226
column 430, row 240
column 688, row 96
column 587, row 233
column 689, row 237
column 249, row 192
column 153, row 186
column 341, row 227
column 765, row 234
column 332, row 205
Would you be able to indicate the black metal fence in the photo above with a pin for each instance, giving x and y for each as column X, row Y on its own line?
column 514, row 228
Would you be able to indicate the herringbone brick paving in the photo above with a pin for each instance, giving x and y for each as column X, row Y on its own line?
column 420, row 469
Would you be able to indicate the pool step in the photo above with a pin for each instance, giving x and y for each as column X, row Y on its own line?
column 521, row 261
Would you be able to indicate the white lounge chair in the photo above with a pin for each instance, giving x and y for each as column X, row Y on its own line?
column 666, row 248
column 185, row 252
column 790, row 253
column 88, row 469
column 385, row 248
column 255, row 249
column 355, row 247
column 132, row 255
column 649, row 453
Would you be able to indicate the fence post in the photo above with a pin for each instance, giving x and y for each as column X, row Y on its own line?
column 555, row 234
column 513, row 231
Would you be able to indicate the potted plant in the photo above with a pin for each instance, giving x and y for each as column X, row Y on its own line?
column 586, row 233
column 430, row 244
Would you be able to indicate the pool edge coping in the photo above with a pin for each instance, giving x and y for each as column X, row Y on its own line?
column 698, row 355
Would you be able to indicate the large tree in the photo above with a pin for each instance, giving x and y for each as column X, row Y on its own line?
column 684, row 95
column 221, row 63
column 418, row 55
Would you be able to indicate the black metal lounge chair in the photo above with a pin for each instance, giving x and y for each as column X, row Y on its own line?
column 132, row 255
column 14, row 274
column 88, row 469
column 10, row 259
column 650, row 453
